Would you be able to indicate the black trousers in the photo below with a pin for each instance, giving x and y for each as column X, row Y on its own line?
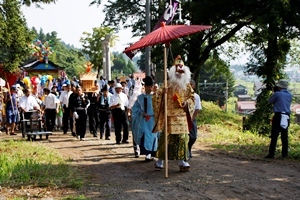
column 81, row 123
column 192, row 137
column 276, row 129
column 105, row 122
column 66, row 118
column 93, row 119
column 120, row 120
column 50, row 118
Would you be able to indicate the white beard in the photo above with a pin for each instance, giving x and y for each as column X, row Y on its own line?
column 179, row 81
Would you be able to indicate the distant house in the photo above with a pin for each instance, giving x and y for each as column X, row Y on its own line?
column 244, row 97
column 245, row 107
column 240, row 90
column 296, row 109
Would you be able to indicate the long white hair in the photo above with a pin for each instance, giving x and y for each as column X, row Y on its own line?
column 179, row 80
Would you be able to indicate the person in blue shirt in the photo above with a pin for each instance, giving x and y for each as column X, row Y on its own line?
column 11, row 110
column 281, row 101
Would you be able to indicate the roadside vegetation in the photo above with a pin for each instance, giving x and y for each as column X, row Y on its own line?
column 224, row 131
column 24, row 163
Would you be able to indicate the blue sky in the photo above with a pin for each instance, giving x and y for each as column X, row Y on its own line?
column 70, row 18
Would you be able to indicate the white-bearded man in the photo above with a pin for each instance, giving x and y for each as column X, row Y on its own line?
column 180, row 106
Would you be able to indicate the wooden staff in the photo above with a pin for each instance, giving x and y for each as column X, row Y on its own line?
column 9, row 92
column 165, row 112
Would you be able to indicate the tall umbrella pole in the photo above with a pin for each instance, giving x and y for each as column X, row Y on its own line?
column 165, row 113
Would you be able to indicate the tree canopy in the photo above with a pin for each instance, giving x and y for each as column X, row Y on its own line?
column 14, row 35
column 266, row 27
column 93, row 44
column 66, row 56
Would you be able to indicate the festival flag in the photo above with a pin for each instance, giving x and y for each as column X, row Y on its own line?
column 167, row 17
column 130, row 54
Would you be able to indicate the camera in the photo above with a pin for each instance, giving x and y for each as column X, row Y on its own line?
column 275, row 89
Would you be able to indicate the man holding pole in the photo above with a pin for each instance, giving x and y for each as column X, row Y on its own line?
column 11, row 110
column 180, row 106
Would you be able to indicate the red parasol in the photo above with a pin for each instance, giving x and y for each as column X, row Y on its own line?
column 165, row 34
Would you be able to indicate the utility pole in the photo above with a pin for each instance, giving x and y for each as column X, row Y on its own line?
column 107, row 52
column 148, row 49
column 104, row 58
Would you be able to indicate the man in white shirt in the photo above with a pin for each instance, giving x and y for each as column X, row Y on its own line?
column 64, row 100
column 51, row 105
column 125, row 89
column 118, row 105
column 28, row 102
column 193, row 131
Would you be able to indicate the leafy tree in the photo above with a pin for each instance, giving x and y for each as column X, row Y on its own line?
column 197, row 48
column 213, row 79
column 294, row 53
column 266, row 25
column 36, row 2
column 142, row 62
column 14, row 35
column 122, row 65
column 129, row 69
column 66, row 56
column 119, row 62
column 269, row 43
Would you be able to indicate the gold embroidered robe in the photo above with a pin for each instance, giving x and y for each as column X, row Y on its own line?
column 176, row 116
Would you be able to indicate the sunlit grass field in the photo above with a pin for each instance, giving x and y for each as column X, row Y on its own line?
column 223, row 131
column 24, row 163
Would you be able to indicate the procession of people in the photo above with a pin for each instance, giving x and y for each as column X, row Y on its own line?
column 134, row 104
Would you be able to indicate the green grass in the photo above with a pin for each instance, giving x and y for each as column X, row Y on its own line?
column 80, row 197
column 223, row 131
column 24, row 163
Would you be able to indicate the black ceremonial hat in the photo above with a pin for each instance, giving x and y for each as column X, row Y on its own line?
column 148, row 81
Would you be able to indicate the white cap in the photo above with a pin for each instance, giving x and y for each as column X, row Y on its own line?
column 64, row 85
column 118, row 85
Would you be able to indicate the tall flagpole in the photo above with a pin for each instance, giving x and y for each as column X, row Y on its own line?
column 148, row 49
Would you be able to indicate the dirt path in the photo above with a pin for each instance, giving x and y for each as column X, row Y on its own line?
column 114, row 173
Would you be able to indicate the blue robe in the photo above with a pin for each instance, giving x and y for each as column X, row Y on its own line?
column 142, row 129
